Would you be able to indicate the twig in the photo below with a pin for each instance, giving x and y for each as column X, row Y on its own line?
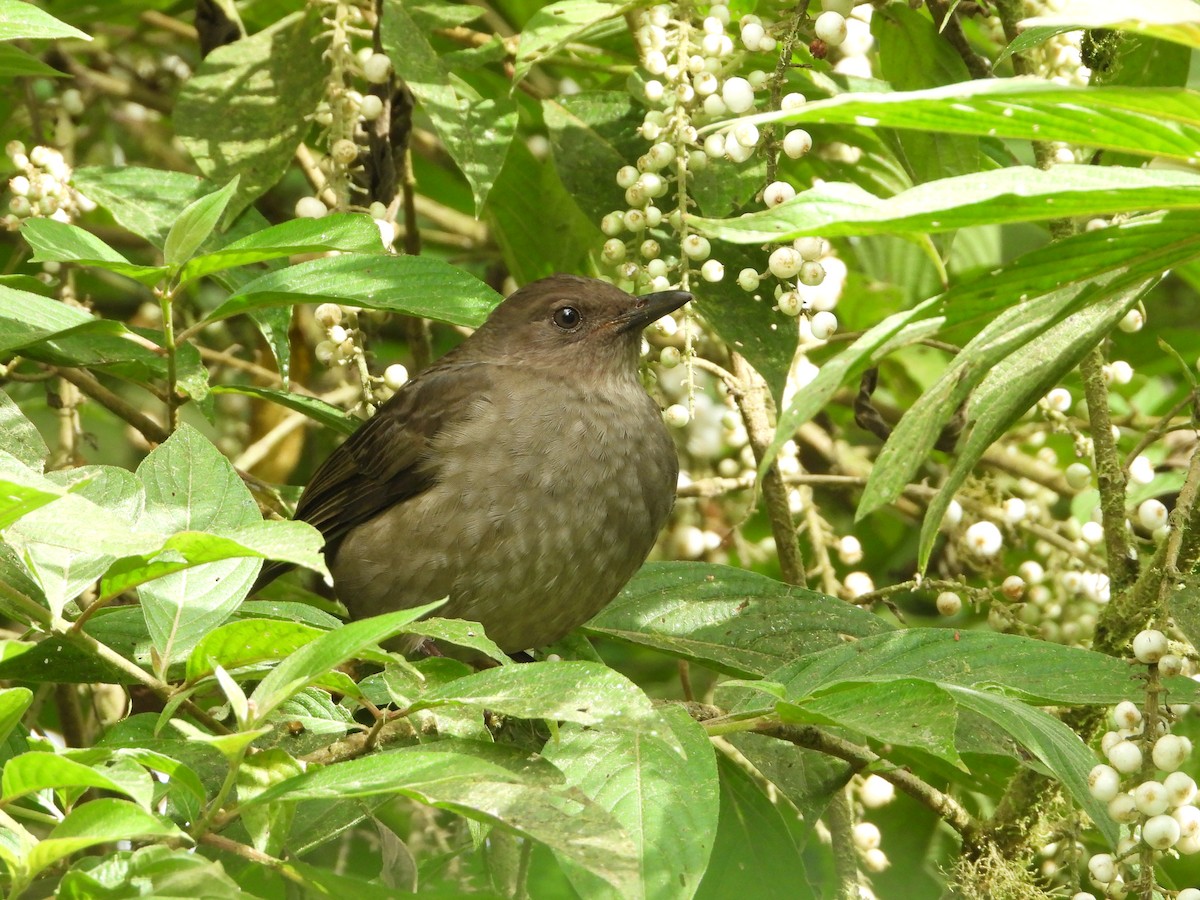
column 946, row 18
column 150, row 430
column 778, row 78
column 840, row 819
column 1122, row 558
column 752, row 401
column 813, row 738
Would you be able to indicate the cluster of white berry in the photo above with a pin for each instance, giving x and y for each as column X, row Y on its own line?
column 343, row 346
column 42, row 188
column 1161, row 814
column 344, row 112
column 1058, row 58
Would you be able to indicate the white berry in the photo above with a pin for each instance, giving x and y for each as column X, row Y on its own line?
column 1160, row 832
column 1104, row 782
column 796, row 143
column 1150, row 798
column 310, row 208
column 677, row 415
column 823, row 325
column 1133, row 321
column 1059, row 400
column 713, row 270
column 1170, row 752
column 1181, row 788
column 784, row 262
column 866, row 836
column 748, row 280
column 737, row 94
column 1078, row 475
column 831, row 28
column 778, row 192
column 1152, row 514
column 1149, row 646
column 1125, row 757
column 949, row 603
column 377, row 68
column 811, row 273
column 984, row 538
column 1102, row 868
column 394, row 376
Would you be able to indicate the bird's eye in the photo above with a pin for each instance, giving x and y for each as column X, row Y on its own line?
column 566, row 317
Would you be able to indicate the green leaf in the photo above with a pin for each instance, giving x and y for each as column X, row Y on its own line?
column 1016, row 194
column 26, row 318
column 190, row 486
column 245, row 110
column 412, row 285
column 553, row 26
column 14, row 702
column 22, row 490
column 525, row 188
column 328, row 652
column 593, row 132
column 1016, row 382
column 754, row 845
column 346, row 232
column 142, row 200
column 913, row 55
column 476, row 130
column 56, row 241
column 1028, row 669
column 37, row 771
column 16, row 63
column 1177, row 21
column 20, row 20
column 1055, row 745
column 907, row 712
column 98, row 822
column 19, row 437
column 665, row 802
column 728, row 619
column 746, row 321
column 315, row 408
column 69, row 545
column 297, row 543
column 1140, row 121
column 247, row 642
column 484, row 783
column 585, row 693
column 155, row 871
column 196, row 223
column 461, row 633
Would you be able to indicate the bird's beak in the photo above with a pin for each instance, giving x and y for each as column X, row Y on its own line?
column 650, row 308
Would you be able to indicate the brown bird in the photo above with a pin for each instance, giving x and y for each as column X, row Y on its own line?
column 525, row 475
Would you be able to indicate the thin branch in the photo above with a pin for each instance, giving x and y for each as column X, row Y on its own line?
column 1122, row 558
column 942, row 805
column 150, row 430
column 945, row 16
column 752, row 398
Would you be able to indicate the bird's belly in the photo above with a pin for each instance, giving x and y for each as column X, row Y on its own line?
column 530, row 544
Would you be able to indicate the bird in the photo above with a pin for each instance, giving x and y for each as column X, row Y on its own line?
column 523, row 477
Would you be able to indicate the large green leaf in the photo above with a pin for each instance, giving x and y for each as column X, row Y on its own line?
column 1139, row 121
column 1016, row 194
column 326, row 653
column 488, row 784
column 552, row 26
column 755, row 852
column 18, row 436
column 413, row 285
column 52, row 240
column 665, row 802
column 196, row 223
column 913, row 54
column 475, row 129
column 190, row 486
column 585, row 693
column 19, row 20
column 248, row 105
column 729, row 619
column 593, row 133
column 348, row 233
column 1012, row 386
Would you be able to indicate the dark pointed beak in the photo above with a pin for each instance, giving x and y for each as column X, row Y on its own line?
column 649, row 308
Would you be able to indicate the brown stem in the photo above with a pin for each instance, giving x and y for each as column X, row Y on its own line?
column 150, row 430
column 946, row 18
column 1122, row 558
column 753, row 398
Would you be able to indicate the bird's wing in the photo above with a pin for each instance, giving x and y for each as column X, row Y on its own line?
column 387, row 459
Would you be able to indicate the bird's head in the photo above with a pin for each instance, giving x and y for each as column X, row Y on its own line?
column 569, row 322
